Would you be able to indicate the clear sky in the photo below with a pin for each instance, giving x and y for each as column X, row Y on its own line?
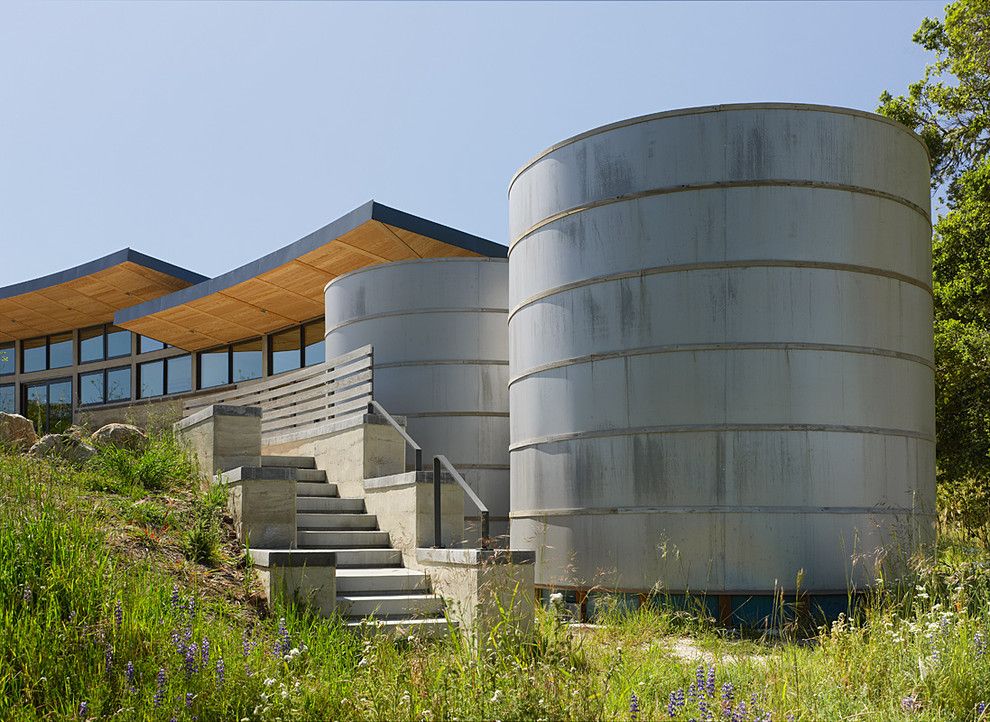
column 210, row 134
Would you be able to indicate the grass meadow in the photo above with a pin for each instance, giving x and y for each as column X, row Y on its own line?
column 123, row 595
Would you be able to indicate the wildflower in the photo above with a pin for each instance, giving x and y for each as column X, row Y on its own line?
column 699, row 677
column 710, row 682
column 83, row 709
column 129, row 672
column 191, row 667
column 703, row 710
column 740, row 714
column 180, row 648
column 727, row 692
column 160, row 689
column 675, row 702
column 27, row 596
column 981, row 708
column 191, row 607
column 221, row 672
column 980, row 644
column 108, row 659
column 911, row 703
column 189, row 699
column 205, row 652
column 176, row 603
column 283, row 644
column 633, row 707
column 118, row 614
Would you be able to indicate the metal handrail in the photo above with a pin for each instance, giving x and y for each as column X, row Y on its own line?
column 441, row 460
column 376, row 408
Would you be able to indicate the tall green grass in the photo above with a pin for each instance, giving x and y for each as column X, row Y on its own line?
column 74, row 611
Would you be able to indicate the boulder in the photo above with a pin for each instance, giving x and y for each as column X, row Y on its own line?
column 123, row 436
column 77, row 432
column 64, row 446
column 16, row 432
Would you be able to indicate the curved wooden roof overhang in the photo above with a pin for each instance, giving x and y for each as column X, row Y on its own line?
column 285, row 287
column 87, row 295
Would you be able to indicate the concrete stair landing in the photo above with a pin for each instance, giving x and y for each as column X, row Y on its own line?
column 371, row 579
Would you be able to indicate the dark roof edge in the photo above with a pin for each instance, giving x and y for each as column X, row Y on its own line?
column 101, row 264
column 348, row 222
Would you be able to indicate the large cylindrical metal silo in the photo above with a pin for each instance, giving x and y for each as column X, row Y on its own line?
column 438, row 328
column 721, row 363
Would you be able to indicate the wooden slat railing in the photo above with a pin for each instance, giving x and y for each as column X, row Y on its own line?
column 337, row 389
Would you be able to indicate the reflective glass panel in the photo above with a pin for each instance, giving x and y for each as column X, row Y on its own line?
column 152, row 377
column 7, row 360
column 36, row 406
column 34, row 358
column 213, row 368
column 247, row 360
column 119, row 384
column 118, row 342
column 7, row 405
column 91, row 344
column 179, row 374
column 285, row 350
column 59, row 406
column 313, row 351
column 60, row 351
column 91, row 388
column 147, row 345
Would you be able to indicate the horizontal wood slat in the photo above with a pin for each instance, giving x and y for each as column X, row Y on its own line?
column 333, row 390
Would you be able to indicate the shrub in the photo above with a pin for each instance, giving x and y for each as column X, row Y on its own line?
column 202, row 542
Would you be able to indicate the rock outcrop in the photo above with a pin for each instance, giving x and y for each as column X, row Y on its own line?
column 123, row 436
column 16, row 432
column 64, row 446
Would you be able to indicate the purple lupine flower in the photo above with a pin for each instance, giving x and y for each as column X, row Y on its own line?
column 246, row 644
column 710, row 682
column 981, row 709
column 191, row 607
column 160, row 689
column 221, row 672
column 83, row 709
column 728, row 691
column 129, row 671
column 703, row 710
column 633, row 707
column 180, row 648
column 699, row 677
column 191, row 654
column 671, row 707
column 741, row 713
column 27, row 596
column 118, row 614
column 911, row 703
column 187, row 635
column 205, row 652
column 176, row 602
column 189, row 699
column 284, row 642
column 108, row 659
column 980, row 644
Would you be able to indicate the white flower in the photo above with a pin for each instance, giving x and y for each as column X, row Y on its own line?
column 269, row 682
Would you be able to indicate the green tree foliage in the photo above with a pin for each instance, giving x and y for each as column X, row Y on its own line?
column 950, row 108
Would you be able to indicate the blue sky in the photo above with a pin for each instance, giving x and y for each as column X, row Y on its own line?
column 210, row 134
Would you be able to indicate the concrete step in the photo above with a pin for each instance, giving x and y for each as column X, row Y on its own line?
column 367, row 559
column 333, row 504
column 431, row 628
column 309, row 488
column 381, row 581
column 328, row 521
column 292, row 462
column 333, row 540
column 310, row 475
column 389, row 606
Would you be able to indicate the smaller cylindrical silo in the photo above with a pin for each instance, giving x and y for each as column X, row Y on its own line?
column 438, row 328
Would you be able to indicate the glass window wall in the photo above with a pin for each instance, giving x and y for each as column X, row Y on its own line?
column 151, row 379
column 118, row 384
column 91, row 347
column 8, row 361
column 147, row 345
column 285, row 350
column 214, row 368
column 313, row 343
column 246, row 360
column 34, row 355
column 118, row 342
column 91, row 388
column 7, row 404
column 60, row 351
column 178, row 374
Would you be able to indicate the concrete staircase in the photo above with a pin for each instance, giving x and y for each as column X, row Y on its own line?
column 371, row 578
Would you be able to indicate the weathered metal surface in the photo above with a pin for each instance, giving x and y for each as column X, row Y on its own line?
column 438, row 328
column 721, row 350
